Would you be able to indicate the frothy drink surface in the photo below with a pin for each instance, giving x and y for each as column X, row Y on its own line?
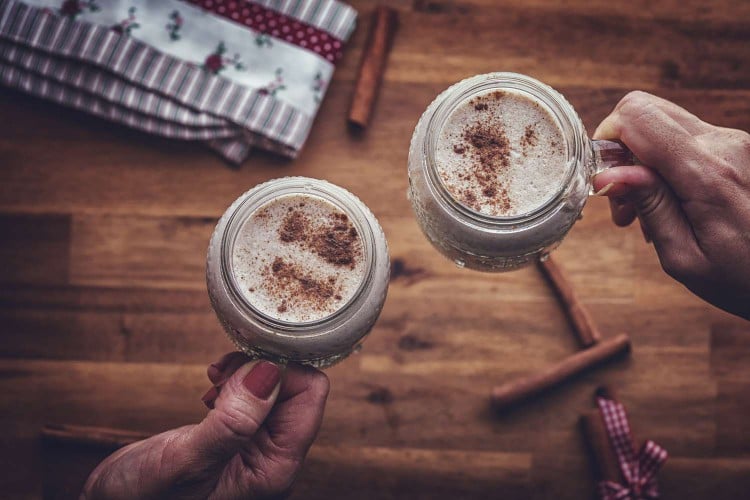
column 298, row 258
column 501, row 153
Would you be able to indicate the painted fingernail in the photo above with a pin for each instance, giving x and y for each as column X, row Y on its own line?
column 218, row 372
column 209, row 397
column 222, row 364
column 214, row 373
column 605, row 189
column 262, row 379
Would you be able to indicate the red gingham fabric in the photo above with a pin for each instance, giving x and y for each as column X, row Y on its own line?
column 639, row 470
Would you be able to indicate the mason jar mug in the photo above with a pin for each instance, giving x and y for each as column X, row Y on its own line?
column 485, row 242
column 266, row 332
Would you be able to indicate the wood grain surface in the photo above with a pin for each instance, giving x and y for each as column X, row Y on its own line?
column 104, row 317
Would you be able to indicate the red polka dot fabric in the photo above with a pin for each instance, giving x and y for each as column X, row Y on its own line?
column 277, row 25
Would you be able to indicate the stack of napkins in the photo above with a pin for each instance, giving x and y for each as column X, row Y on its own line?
column 233, row 74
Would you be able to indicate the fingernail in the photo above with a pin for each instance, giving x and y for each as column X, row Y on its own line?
column 209, row 398
column 222, row 364
column 214, row 372
column 619, row 201
column 605, row 189
column 217, row 372
column 645, row 234
column 262, row 379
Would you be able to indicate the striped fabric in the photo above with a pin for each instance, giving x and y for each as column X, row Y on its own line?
column 94, row 69
column 264, row 20
column 220, row 139
column 335, row 18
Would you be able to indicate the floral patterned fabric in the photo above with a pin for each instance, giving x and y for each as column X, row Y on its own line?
column 287, row 56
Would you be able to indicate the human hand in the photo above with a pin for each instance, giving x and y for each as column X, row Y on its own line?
column 692, row 198
column 250, row 445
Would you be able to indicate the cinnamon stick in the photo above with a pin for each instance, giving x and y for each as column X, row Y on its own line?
column 518, row 390
column 606, row 466
column 99, row 437
column 579, row 317
column 372, row 65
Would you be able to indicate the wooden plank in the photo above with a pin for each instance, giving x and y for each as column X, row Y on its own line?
column 35, row 249
column 592, row 55
column 108, row 394
column 732, row 409
column 103, row 299
column 21, row 459
column 730, row 348
column 348, row 472
column 714, row 478
column 113, row 250
column 658, row 394
column 689, row 10
column 113, row 336
column 377, row 472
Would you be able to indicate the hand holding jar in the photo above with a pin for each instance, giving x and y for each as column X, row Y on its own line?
column 250, row 445
column 692, row 199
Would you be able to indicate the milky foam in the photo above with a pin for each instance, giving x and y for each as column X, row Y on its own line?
column 283, row 267
column 501, row 153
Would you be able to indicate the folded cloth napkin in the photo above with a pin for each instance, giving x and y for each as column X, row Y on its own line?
column 234, row 74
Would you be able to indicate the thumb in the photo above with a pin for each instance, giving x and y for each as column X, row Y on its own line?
column 657, row 206
column 245, row 401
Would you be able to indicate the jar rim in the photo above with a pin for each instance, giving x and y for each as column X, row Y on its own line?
column 265, row 193
column 552, row 100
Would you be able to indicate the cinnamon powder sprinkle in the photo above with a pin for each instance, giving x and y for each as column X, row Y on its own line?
column 491, row 146
column 335, row 240
column 337, row 243
column 293, row 228
column 290, row 281
column 488, row 146
column 490, row 149
column 469, row 197
column 529, row 137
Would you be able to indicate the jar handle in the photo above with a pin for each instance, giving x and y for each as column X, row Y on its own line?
column 608, row 154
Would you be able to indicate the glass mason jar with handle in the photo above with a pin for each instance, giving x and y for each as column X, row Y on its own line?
column 325, row 336
column 503, row 243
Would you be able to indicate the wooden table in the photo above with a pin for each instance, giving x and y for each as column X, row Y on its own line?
column 105, row 318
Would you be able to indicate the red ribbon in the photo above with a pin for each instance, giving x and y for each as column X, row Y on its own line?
column 270, row 22
column 639, row 470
